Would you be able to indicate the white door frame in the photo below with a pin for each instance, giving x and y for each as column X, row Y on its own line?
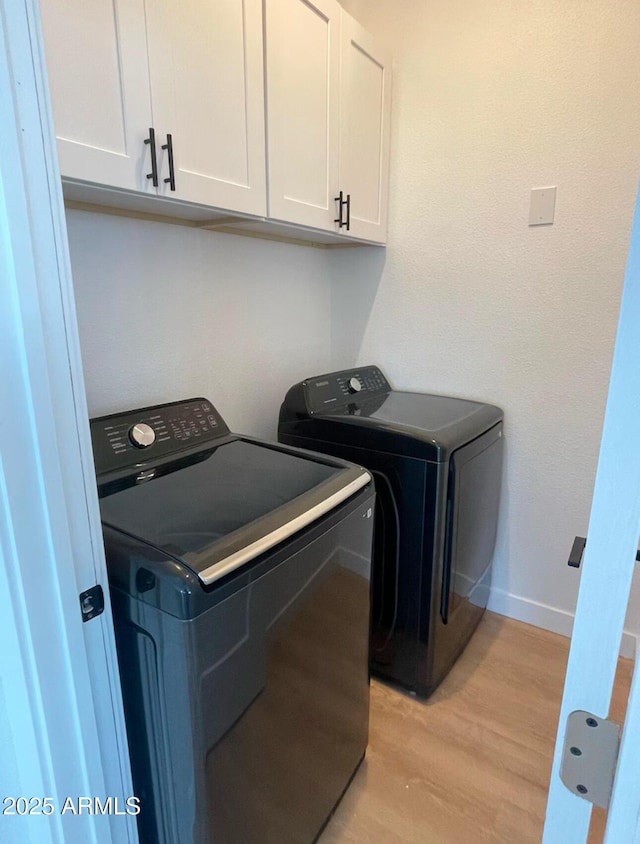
column 623, row 822
column 607, row 570
column 60, row 703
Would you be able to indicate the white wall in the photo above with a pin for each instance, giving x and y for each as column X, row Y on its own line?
column 167, row 312
column 490, row 100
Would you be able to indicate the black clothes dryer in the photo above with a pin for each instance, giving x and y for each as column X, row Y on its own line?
column 239, row 580
column 437, row 463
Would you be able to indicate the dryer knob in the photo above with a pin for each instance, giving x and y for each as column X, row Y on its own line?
column 354, row 385
column 142, row 435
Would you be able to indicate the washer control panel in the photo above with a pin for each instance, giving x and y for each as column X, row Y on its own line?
column 337, row 389
column 123, row 440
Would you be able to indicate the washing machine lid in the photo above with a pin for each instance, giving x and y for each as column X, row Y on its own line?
column 173, row 476
column 216, row 508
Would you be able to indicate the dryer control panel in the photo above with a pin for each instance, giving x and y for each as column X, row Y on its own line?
column 336, row 389
column 123, row 440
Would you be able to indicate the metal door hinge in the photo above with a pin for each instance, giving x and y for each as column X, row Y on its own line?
column 92, row 602
column 589, row 757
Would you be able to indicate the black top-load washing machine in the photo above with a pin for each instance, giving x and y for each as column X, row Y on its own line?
column 436, row 462
column 239, row 579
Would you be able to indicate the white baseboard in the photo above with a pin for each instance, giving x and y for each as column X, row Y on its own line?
column 550, row 618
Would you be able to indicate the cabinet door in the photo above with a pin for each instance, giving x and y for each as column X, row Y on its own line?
column 97, row 67
column 365, row 114
column 303, row 63
column 207, row 92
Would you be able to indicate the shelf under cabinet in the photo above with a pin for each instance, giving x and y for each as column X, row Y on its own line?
column 106, row 200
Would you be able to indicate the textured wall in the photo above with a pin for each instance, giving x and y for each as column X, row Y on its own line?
column 167, row 312
column 490, row 100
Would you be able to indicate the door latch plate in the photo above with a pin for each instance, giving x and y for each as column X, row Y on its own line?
column 92, row 602
column 589, row 756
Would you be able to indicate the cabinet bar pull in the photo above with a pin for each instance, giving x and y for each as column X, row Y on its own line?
column 171, row 181
column 340, row 202
column 151, row 140
column 348, row 224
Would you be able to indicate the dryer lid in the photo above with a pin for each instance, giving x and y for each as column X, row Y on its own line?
column 445, row 422
column 358, row 408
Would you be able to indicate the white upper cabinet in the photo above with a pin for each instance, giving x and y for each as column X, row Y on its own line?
column 100, row 89
column 365, row 112
column 206, row 71
column 158, row 98
column 303, row 76
column 328, row 108
column 193, row 72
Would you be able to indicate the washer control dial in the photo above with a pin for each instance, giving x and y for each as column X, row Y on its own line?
column 142, row 435
column 354, row 385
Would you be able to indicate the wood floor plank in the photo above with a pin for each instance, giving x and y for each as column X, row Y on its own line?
column 470, row 765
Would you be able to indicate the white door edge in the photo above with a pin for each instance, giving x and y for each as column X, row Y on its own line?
column 609, row 557
column 49, row 524
column 623, row 820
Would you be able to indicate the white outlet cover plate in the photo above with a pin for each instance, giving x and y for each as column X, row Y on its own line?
column 542, row 206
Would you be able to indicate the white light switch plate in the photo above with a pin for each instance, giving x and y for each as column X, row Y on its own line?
column 542, row 206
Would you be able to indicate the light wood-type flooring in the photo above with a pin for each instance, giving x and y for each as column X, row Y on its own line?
column 472, row 763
